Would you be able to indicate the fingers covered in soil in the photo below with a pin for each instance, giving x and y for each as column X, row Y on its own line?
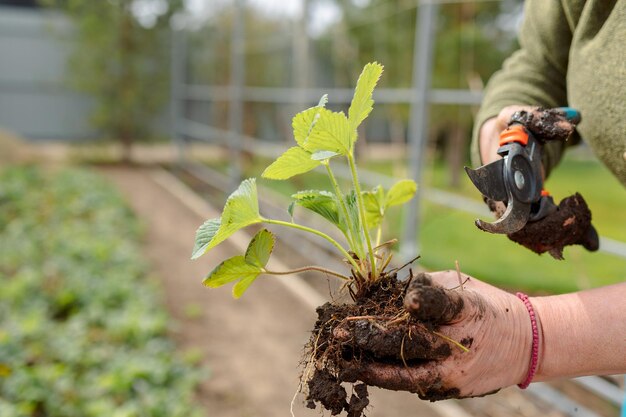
column 545, row 124
column 432, row 304
column 424, row 380
column 397, row 341
column 484, row 346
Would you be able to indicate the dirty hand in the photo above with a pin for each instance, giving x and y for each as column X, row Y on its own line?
column 494, row 326
column 545, row 124
column 571, row 223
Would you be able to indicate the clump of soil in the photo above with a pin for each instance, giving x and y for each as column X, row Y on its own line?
column 569, row 225
column 389, row 322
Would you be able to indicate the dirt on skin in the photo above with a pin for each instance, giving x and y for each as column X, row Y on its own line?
column 391, row 322
column 545, row 124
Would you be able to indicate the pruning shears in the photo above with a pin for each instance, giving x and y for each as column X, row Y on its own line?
column 517, row 178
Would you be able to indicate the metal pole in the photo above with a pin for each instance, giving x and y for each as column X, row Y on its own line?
column 178, row 58
column 237, row 80
column 300, row 54
column 418, row 123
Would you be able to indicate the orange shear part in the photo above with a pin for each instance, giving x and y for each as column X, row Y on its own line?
column 515, row 133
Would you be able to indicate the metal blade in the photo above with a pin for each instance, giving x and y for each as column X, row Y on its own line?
column 514, row 218
column 489, row 179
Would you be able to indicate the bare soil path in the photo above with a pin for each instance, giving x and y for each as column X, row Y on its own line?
column 252, row 346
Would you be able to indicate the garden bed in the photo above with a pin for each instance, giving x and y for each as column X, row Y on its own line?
column 83, row 332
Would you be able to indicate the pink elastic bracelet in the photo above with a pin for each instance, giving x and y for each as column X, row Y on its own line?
column 534, row 358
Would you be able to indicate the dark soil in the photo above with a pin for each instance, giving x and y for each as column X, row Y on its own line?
column 569, row 225
column 391, row 322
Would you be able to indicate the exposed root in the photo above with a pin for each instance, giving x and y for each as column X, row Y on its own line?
column 458, row 273
column 377, row 328
column 406, row 365
column 401, row 317
column 454, row 342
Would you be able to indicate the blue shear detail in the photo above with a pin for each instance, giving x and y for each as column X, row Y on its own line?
column 571, row 114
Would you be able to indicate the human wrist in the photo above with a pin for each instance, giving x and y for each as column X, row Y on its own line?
column 583, row 333
column 519, row 349
column 557, row 327
column 535, row 326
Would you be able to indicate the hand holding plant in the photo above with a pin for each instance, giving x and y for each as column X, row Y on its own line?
column 492, row 325
column 348, row 339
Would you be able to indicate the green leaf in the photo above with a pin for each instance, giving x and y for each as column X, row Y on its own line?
column 230, row 270
column 400, row 193
column 233, row 269
column 374, row 202
column 323, row 101
column 241, row 210
column 260, row 248
column 303, row 122
column 290, row 209
column 362, row 102
column 204, row 235
column 353, row 213
column 240, row 287
column 245, row 268
column 323, row 155
column 331, row 133
column 323, row 203
column 293, row 162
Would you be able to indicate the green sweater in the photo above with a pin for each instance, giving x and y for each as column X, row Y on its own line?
column 573, row 52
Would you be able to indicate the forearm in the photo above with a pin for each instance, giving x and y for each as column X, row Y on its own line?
column 582, row 333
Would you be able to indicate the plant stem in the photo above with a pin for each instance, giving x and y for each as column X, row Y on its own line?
column 320, row 234
column 355, row 244
column 308, row 268
column 379, row 235
column 361, row 205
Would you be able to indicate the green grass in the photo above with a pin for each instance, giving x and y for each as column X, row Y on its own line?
column 603, row 193
column 448, row 235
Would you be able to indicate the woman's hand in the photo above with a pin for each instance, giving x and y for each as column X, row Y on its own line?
column 545, row 124
column 570, row 224
column 494, row 325
column 489, row 134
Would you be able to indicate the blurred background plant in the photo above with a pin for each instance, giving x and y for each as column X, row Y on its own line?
column 82, row 332
column 121, row 59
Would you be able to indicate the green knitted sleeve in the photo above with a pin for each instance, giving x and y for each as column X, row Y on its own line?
column 535, row 74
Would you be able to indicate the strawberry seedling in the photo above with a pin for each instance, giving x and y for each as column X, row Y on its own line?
column 324, row 138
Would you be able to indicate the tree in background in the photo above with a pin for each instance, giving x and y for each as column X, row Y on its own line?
column 121, row 59
column 473, row 37
column 470, row 45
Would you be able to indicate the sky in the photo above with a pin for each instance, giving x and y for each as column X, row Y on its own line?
column 322, row 13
